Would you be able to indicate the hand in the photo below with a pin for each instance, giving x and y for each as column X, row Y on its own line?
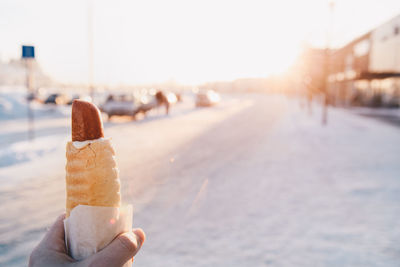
column 51, row 251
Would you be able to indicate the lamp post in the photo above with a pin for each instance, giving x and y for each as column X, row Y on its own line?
column 90, row 49
column 327, row 63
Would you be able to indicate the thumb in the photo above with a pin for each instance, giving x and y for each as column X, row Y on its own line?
column 120, row 250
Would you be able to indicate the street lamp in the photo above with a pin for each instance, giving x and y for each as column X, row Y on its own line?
column 327, row 62
column 90, row 48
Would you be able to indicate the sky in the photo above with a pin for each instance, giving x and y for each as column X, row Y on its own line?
column 187, row 41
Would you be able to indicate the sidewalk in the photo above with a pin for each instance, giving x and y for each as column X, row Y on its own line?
column 391, row 116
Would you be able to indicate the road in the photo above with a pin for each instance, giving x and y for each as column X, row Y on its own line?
column 252, row 182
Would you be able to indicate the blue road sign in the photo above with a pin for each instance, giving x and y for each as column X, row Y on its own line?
column 28, row 51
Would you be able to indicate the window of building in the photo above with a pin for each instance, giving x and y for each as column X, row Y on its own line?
column 361, row 48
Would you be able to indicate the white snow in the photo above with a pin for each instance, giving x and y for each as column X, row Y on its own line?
column 254, row 181
column 13, row 105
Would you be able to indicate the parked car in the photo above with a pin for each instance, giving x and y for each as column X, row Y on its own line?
column 120, row 105
column 58, row 99
column 151, row 101
column 147, row 103
column 207, row 99
column 81, row 97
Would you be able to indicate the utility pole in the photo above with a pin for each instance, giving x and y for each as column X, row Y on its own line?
column 327, row 63
column 90, row 48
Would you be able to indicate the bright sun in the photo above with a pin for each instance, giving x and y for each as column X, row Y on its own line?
column 155, row 41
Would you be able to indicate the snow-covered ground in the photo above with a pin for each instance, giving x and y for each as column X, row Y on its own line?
column 254, row 181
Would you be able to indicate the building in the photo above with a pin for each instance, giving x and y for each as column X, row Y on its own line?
column 13, row 73
column 366, row 71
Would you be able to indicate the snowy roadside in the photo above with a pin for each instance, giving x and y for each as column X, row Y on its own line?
column 52, row 127
column 273, row 187
column 256, row 182
column 33, row 192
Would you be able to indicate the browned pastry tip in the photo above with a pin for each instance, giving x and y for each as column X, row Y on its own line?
column 86, row 121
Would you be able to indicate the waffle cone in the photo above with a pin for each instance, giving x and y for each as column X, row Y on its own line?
column 92, row 175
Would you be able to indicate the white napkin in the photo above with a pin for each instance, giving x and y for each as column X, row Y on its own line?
column 88, row 229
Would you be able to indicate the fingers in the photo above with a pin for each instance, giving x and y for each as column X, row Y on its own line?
column 119, row 251
column 140, row 233
column 54, row 238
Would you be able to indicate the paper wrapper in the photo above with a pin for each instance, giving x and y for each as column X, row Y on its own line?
column 88, row 229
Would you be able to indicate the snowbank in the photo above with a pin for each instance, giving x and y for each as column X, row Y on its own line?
column 13, row 105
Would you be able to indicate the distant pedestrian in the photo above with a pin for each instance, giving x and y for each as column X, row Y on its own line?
column 162, row 100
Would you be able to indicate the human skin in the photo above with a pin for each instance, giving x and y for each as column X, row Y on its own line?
column 51, row 251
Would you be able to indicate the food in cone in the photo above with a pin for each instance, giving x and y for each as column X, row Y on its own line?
column 91, row 171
